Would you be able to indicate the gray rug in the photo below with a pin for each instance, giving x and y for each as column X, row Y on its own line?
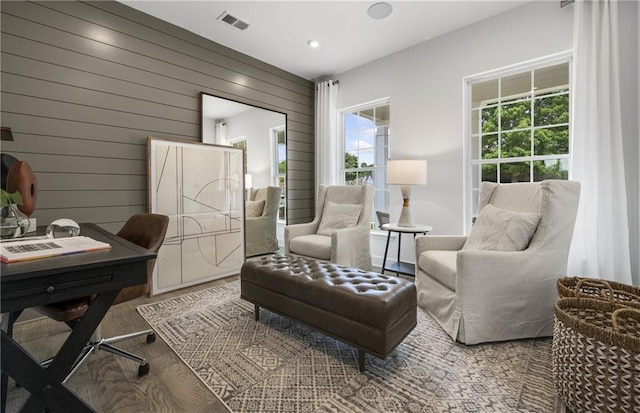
column 277, row 365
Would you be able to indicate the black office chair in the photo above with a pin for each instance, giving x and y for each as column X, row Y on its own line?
column 147, row 231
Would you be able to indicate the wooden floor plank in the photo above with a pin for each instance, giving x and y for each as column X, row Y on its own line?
column 111, row 384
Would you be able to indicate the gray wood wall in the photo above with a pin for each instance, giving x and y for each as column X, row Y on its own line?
column 85, row 83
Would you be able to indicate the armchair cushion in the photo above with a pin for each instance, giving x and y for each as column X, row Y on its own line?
column 313, row 245
column 254, row 208
column 500, row 229
column 338, row 216
column 441, row 265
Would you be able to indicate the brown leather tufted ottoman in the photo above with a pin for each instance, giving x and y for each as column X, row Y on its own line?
column 369, row 311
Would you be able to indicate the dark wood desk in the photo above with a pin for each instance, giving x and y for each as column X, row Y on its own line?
column 49, row 280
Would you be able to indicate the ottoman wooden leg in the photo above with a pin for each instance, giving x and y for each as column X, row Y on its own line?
column 257, row 312
column 361, row 360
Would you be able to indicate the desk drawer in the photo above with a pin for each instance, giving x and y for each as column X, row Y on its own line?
column 30, row 290
column 54, row 288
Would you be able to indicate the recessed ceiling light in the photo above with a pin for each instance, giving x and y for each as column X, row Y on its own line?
column 313, row 43
column 379, row 10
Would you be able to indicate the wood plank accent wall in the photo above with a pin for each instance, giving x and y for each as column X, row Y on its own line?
column 85, row 83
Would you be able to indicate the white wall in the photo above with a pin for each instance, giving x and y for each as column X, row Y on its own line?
column 256, row 124
column 424, row 83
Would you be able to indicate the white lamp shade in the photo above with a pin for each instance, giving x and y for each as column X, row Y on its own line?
column 248, row 181
column 407, row 172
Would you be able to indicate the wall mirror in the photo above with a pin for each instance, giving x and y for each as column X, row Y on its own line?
column 261, row 133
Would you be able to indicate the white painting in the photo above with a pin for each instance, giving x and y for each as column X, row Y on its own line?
column 200, row 188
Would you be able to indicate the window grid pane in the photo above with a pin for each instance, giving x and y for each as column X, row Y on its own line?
column 551, row 169
column 515, row 115
column 550, row 141
column 516, row 144
column 551, row 110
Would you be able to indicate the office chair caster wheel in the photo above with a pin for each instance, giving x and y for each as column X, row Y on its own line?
column 143, row 369
column 151, row 338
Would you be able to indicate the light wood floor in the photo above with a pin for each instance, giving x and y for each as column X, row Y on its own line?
column 111, row 384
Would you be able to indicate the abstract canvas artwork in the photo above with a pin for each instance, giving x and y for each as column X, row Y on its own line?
column 200, row 187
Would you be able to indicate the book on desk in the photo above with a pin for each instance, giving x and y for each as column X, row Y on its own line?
column 16, row 250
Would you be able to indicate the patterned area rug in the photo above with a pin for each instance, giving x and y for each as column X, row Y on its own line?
column 277, row 365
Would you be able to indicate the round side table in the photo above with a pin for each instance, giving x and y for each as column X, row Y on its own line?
column 400, row 267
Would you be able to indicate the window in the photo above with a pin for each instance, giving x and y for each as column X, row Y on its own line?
column 517, row 126
column 280, row 167
column 242, row 144
column 365, row 137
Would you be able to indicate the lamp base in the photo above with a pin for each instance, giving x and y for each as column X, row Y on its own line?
column 406, row 220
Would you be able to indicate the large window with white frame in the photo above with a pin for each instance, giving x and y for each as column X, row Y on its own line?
column 365, row 136
column 517, row 127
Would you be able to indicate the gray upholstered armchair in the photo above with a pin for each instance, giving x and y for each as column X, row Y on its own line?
column 261, row 219
column 499, row 283
column 340, row 230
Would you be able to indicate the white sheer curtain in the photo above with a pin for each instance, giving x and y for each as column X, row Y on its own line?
column 327, row 147
column 600, row 245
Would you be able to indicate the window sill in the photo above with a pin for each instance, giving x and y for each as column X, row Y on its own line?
column 380, row 234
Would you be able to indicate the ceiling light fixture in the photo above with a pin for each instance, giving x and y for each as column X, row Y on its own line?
column 379, row 10
column 313, row 43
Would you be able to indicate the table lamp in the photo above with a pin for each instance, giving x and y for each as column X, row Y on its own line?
column 406, row 172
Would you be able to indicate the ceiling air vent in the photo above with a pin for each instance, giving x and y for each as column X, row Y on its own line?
column 233, row 21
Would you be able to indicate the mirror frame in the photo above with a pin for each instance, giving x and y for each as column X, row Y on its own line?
column 286, row 137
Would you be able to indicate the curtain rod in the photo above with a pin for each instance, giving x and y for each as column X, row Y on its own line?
column 334, row 82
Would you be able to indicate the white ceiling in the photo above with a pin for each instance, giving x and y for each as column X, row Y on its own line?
column 279, row 30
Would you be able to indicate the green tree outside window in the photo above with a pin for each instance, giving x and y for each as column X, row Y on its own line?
column 507, row 133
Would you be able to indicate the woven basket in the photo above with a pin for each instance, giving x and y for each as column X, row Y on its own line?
column 600, row 290
column 596, row 355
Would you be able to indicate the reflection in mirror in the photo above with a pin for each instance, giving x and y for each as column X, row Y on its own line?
column 262, row 135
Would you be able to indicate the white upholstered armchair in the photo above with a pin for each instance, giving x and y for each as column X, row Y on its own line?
column 261, row 220
column 499, row 283
column 340, row 230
